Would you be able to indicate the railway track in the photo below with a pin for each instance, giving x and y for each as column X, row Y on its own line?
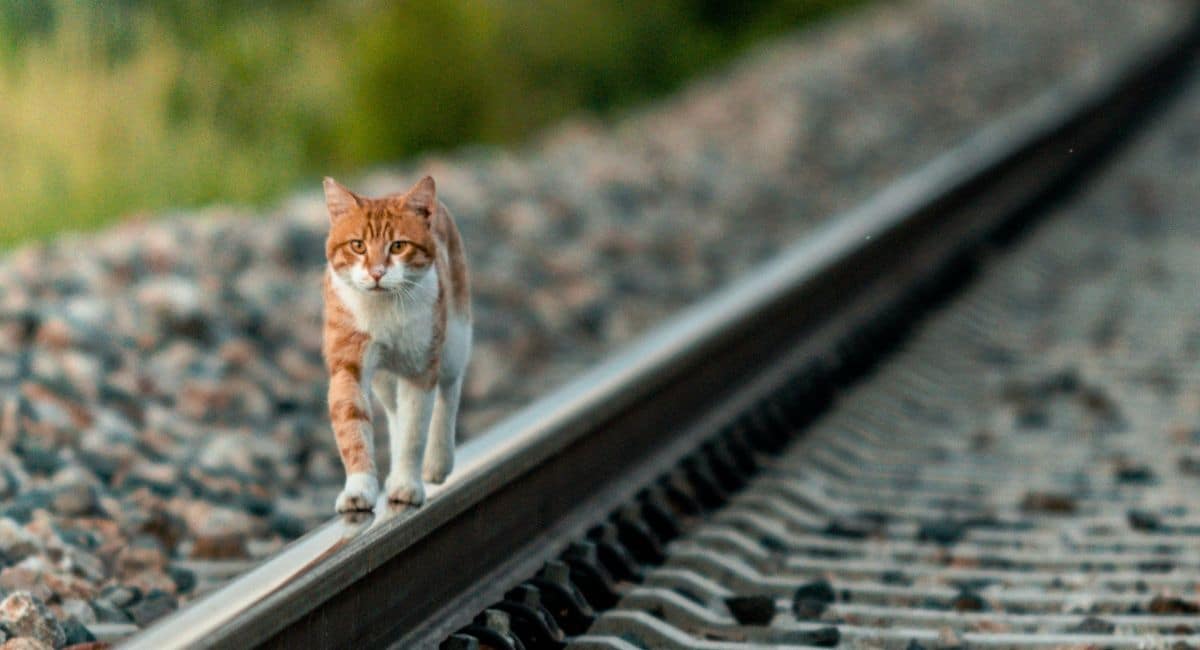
column 828, row 452
column 1009, row 479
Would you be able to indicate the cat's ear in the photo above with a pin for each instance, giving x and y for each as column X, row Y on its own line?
column 422, row 197
column 339, row 200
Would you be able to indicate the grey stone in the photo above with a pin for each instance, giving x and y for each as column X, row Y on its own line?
column 76, row 632
column 154, row 606
column 106, row 612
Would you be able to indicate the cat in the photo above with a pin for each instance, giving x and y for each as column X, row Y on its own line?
column 397, row 323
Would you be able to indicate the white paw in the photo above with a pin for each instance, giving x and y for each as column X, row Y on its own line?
column 359, row 494
column 404, row 491
column 437, row 465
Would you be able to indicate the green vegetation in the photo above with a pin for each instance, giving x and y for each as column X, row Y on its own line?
column 131, row 105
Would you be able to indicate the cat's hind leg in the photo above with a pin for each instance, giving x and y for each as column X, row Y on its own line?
column 456, row 351
column 439, row 453
column 407, row 431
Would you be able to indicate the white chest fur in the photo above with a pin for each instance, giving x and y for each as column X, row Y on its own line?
column 400, row 324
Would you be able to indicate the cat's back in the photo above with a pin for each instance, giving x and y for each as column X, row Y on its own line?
column 455, row 272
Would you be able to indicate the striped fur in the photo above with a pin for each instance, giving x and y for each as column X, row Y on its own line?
column 397, row 325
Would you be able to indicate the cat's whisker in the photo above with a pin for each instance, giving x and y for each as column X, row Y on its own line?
column 405, row 282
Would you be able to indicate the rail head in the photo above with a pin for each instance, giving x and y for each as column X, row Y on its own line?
column 822, row 273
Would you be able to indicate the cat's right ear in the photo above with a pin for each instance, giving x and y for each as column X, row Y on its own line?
column 339, row 200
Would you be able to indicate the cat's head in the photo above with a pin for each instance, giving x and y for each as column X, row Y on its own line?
column 384, row 245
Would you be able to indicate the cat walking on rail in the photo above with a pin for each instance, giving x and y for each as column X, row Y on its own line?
column 397, row 323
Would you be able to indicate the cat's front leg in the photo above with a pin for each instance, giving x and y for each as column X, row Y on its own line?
column 359, row 493
column 414, row 407
column 349, row 412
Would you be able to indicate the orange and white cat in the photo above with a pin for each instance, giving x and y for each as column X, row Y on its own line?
column 398, row 323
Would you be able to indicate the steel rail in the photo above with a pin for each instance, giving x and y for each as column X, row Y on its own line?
column 410, row 578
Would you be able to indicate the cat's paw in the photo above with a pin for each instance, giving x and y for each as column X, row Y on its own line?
column 404, row 491
column 437, row 466
column 359, row 494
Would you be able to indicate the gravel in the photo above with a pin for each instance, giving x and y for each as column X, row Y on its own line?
column 811, row 600
column 26, row 616
column 751, row 610
column 161, row 388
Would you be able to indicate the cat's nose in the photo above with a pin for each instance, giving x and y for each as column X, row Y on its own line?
column 377, row 272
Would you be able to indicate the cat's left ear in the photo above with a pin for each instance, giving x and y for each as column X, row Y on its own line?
column 422, row 198
column 339, row 200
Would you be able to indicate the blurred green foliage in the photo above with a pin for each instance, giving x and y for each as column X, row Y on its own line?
column 127, row 105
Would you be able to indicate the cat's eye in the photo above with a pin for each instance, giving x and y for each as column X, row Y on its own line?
column 358, row 246
column 398, row 247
